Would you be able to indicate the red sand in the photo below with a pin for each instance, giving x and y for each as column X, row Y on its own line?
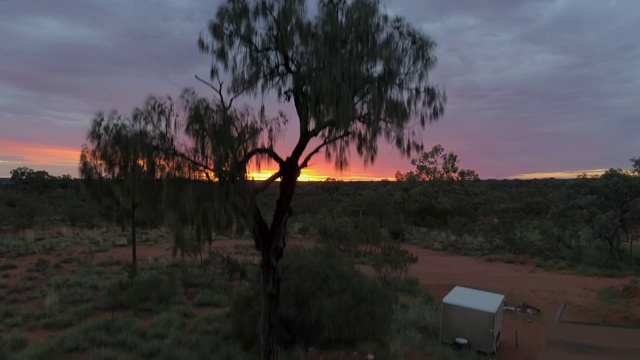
column 545, row 290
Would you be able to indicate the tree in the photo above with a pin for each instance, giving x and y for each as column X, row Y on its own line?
column 121, row 167
column 437, row 165
column 635, row 165
column 24, row 178
column 352, row 73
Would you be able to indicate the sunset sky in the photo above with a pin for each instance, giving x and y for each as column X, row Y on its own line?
column 535, row 87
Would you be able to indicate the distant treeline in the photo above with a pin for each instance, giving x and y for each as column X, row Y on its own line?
column 582, row 222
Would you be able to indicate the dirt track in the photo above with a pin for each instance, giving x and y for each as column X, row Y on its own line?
column 440, row 272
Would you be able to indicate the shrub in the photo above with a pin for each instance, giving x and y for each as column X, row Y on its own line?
column 43, row 350
column 149, row 292
column 42, row 265
column 397, row 231
column 324, row 303
column 337, row 231
column 393, row 261
column 15, row 342
column 162, row 325
column 509, row 259
column 208, row 297
column 8, row 266
column 116, row 332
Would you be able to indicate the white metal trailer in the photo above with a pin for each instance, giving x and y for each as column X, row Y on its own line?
column 472, row 317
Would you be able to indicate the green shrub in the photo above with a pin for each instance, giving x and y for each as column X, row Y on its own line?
column 184, row 310
column 8, row 266
column 162, row 325
column 21, row 287
column 209, row 297
column 152, row 292
column 397, row 231
column 324, row 303
column 122, row 333
column 337, row 231
column 43, row 350
column 509, row 259
column 15, row 342
column 42, row 265
column 393, row 261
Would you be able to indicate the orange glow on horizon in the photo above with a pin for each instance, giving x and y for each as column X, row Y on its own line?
column 311, row 174
column 37, row 156
column 558, row 174
column 29, row 153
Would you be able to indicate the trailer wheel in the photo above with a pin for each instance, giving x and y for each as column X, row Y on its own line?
column 495, row 350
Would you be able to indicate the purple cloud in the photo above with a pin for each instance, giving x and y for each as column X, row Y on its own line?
column 533, row 86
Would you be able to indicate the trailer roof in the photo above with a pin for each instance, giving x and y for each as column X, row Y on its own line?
column 474, row 299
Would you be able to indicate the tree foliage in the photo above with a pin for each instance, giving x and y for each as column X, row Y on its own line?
column 352, row 73
column 635, row 165
column 121, row 169
column 27, row 179
column 340, row 307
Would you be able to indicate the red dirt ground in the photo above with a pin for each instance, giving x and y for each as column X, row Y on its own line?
column 440, row 272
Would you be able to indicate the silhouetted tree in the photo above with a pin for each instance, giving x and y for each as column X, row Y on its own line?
column 437, row 165
column 120, row 167
column 26, row 179
column 635, row 165
column 352, row 73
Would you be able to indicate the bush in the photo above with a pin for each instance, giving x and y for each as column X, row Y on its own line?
column 324, row 303
column 151, row 292
column 15, row 342
column 338, row 231
column 146, row 292
column 211, row 298
column 44, row 350
column 117, row 332
column 393, row 261
column 397, row 231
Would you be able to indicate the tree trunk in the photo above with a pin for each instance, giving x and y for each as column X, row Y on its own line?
column 270, row 302
column 272, row 242
column 134, row 256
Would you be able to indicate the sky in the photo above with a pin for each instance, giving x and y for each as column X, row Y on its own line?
column 535, row 88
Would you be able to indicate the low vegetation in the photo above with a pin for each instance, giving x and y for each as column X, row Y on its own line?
column 202, row 308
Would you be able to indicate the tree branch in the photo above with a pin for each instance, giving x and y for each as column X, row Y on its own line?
column 261, row 187
column 305, row 163
column 268, row 151
column 218, row 91
column 175, row 152
column 316, row 130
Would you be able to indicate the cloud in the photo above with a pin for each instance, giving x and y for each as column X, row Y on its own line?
column 533, row 85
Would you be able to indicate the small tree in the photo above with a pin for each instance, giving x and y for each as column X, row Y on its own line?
column 437, row 165
column 121, row 167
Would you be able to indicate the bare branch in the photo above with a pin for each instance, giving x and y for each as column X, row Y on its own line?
column 218, row 89
column 305, row 163
column 268, row 151
column 179, row 154
column 262, row 186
